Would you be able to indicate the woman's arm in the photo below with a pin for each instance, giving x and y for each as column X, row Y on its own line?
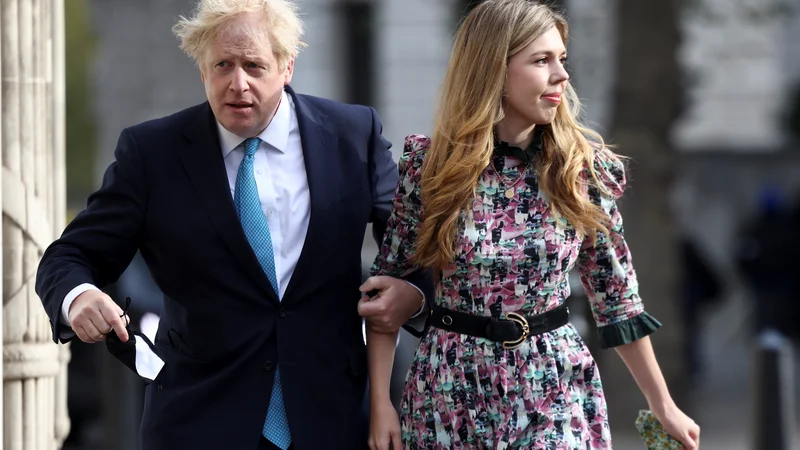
column 642, row 364
column 384, row 423
column 607, row 273
column 380, row 355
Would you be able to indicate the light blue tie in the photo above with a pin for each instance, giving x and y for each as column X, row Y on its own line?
column 248, row 207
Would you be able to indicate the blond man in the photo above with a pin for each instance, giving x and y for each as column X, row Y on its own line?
column 250, row 211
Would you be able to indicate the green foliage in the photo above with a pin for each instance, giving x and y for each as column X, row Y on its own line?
column 80, row 123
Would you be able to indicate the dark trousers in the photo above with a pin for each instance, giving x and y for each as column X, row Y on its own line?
column 264, row 444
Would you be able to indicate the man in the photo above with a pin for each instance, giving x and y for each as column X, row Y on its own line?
column 250, row 211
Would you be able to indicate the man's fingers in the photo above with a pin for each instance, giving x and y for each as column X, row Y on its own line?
column 119, row 327
column 374, row 283
column 118, row 324
column 368, row 285
column 93, row 332
column 82, row 334
column 113, row 315
column 93, row 324
column 368, row 307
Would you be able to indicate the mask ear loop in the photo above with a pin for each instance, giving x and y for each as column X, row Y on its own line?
column 125, row 312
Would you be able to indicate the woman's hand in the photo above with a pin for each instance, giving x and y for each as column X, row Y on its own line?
column 678, row 425
column 384, row 428
column 641, row 362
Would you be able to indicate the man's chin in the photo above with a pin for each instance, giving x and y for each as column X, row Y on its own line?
column 239, row 127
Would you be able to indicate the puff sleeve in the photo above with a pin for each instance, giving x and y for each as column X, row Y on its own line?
column 606, row 268
column 395, row 257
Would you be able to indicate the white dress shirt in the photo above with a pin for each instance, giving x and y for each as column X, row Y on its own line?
column 280, row 173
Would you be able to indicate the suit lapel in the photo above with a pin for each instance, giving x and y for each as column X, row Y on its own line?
column 319, row 147
column 202, row 159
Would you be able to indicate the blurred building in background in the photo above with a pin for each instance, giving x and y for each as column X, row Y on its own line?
column 700, row 94
column 34, row 371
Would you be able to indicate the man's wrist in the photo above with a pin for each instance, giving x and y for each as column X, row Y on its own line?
column 70, row 297
column 422, row 302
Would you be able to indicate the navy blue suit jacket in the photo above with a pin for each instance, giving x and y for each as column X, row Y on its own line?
column 223, row 331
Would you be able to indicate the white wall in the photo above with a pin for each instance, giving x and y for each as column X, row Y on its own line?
column 738, row 79
column 319, row 67
column 413, row 51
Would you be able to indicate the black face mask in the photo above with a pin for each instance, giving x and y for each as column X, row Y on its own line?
column 138, row 353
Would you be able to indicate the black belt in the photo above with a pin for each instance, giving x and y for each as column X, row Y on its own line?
column 511, row 331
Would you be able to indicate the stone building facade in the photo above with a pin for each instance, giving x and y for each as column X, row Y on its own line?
column 33, row 204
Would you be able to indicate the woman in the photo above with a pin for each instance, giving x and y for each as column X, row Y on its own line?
column 501, row 367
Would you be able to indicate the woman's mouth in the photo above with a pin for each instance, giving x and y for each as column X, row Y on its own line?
column 553, row 98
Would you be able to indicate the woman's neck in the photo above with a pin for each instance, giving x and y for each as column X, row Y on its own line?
column 518, row 135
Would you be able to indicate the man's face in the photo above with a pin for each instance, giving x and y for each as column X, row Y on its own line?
column 243, row 79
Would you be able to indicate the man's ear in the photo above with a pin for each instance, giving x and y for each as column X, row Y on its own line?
column 289, row 71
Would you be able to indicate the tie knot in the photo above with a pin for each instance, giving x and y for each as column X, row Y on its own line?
column 250, row 146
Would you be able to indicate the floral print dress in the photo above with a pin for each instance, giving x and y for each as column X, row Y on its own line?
column 513, row 255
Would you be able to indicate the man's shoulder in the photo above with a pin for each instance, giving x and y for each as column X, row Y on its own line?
column 334, row 107
column 177, row 121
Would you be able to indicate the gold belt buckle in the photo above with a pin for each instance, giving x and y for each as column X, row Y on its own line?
column 526, row 329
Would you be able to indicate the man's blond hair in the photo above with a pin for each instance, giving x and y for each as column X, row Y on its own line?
column 282, row 26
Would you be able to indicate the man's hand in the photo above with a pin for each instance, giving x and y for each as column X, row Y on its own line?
column 394, row 304
column 93, row 315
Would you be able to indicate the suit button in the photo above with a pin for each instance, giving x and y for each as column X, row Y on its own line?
column 268, row 366
column 283, row 313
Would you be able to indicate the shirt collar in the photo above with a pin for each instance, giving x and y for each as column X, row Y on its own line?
column 276, row 134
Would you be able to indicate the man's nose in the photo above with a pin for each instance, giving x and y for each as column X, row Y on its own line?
column 239, row 81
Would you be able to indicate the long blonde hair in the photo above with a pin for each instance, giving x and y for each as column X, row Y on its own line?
column 470, row 107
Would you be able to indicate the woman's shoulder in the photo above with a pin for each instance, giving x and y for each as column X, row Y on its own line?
column 610, row 170
column 414, row 152
column 416, row 143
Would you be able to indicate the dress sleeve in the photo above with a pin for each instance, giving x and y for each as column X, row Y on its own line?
column 606, row 268
column 395, row 257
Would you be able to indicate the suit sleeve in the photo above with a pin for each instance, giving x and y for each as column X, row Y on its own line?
column 101, row 241
column 384, row 179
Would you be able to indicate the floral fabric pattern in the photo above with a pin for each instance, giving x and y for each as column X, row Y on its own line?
column 514, row 255
column 653, row 433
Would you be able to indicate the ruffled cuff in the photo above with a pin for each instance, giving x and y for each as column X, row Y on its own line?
column 628, row 331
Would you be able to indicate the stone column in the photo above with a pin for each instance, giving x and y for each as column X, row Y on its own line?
column 33, row 205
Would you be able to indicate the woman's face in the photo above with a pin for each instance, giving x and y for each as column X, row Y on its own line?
column 535, row 81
